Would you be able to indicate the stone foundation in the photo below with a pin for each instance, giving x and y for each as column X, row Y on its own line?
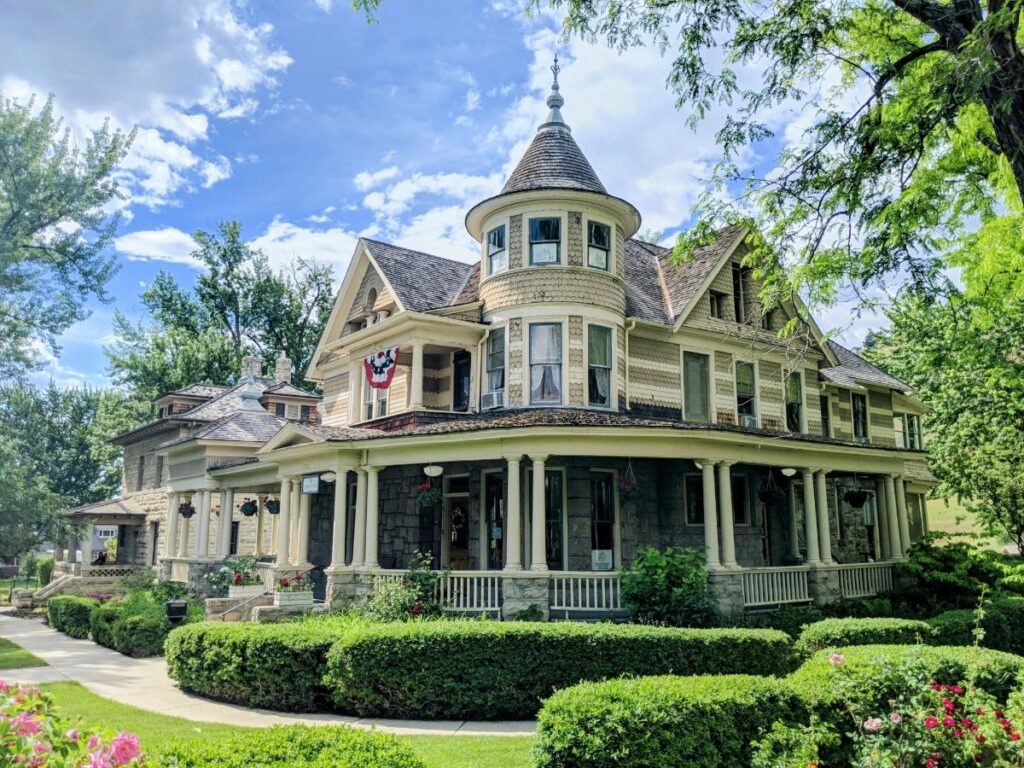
column 823, row 584
column 234, row 608
column 522, row 591
column 727, row 587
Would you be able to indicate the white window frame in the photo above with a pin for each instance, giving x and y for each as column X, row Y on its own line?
column 736, row 391
column 611, row 367
column 530, row 217
column 526, row 504
column 715, row 305
column 739, row 300
column 617, row 523
column 683, row 351
column 446, row 535
column 867, row 418
column 487, row 249
column 802, row 425
column 504, row 360
column 587, row 221
column 563, row 365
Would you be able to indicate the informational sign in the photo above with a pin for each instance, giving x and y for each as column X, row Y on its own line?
column 311, row 484
column 601, row 559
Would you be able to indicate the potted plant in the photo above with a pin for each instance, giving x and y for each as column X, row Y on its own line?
column 427, row 495
column 294, row 590
column 273, row 506
column 856, row 498
column 186, row 510
column 770, row 493
column 249, row 507
column 238, row 576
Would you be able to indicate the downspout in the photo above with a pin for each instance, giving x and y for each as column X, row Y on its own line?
column 479, row 370
column 629, row 327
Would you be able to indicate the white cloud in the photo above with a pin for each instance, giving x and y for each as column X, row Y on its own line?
column 366, row 180
column 215, row 171
column 324, row 5
column 167, row 244
column 472, row 100
column 283, row 242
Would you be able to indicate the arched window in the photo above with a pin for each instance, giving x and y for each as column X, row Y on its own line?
column 371, row 299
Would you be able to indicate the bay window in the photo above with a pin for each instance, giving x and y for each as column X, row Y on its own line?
column 545, row 240
column 599, row 366
column 546, row 364
column 599, row 244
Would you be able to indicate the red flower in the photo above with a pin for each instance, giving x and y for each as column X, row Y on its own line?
column 284, row 581
column 1015, row 736
column 930, row 763
column 239, row 578
column 417, row 608
column 948, row 721
column 930, row 722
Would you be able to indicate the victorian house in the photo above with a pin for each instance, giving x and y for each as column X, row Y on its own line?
column 532, row 419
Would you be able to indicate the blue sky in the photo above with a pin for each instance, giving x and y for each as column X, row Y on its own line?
column 312, row 127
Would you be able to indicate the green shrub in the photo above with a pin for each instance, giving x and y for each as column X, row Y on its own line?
column 70, row 614
column 102, row 620
column 670, row 587
column 943, row 576
column 698, row 722
column 163, row 591
column 832, row 633
column 1001, row 626
column 139, row 635
column 790, row 619
column 141, row 580
column 44, row 570
column 414, row 596
column 486, row 670
column 295, row 746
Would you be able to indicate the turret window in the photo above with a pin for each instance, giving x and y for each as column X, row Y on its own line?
column 545, row 241
column 496, row 360
column 599, row 244
column 546, row 364
column 497, row 260
column 599, row 366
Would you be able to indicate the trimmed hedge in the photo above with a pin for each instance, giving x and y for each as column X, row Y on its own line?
column 1002, row 624
column 70, row 614
column 139, row 635
column 832, row 633
column 102, row 620
column 698, row 722
column 295, row 746
column 492, row 670
column 275, row 666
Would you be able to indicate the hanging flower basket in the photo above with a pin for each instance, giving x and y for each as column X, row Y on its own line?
column 273, row 506
column 249, row 508
column 215, row 509
column 770, row 493
column 856, row 498
column 427, row 495
column 186, row 510
column 630, row 483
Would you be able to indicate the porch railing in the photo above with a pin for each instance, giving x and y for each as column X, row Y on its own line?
column 469, row 591
column 864, row 579
column 775, row 586
column 108, row 571
column 585, row 591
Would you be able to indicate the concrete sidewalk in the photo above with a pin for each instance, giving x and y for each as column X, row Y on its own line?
column 144, row 683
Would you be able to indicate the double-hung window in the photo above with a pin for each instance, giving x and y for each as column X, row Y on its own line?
column 368, row 397
column 599, row 366
column 826, row 416
column 746, row 398
column 794, row 402
column 696, row 395
column 715, row 300
column 374, row 399
column 546, row 364
column 859, row 404
column 497, row 260
column 739, row 297
column 599, row 244
column 545, row 240
column 495, row 363
column 908, row 428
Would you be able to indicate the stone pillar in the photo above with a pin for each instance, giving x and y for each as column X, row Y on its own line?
column 293, row 552
column 87, row 545
column 227, row 514
column 727, row 587
column 359, row 540
column 284, row 523
column 302, row 545
column 513, row 518
column 171, row 542
column 725, row 515
column 903, row 515
column 794, row 524
column 73, row 550
column 203, row 539
column 882, row 521
column 372, row 517
column 707, row 471
column 538, row 526
column 416, row 385
column 895, row 544
column 824, row 522
column 339, row 531
column 810, row 519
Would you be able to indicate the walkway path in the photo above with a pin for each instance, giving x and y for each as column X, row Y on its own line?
column 144, row 683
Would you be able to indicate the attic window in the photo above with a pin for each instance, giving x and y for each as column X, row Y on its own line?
column 716, row 300
column 371, row 299
column 545, row 240
column 739, row 297
column 599, row 244
column 496, row 255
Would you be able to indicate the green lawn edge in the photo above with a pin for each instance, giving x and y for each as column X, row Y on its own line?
column 15, row 657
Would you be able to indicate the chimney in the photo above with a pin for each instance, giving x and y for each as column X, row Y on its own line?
column 251, row 366
column 283, row 369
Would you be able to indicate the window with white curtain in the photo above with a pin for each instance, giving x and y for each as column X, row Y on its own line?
column 496, row 256
column 599, row 244
column 496, row 360
column 546, row 364
column 599, row 365
column 545, row 240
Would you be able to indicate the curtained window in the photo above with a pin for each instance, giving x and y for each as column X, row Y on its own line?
column 496, row 360
column 545, row 239
column 546, row 364
column 599, row 363
column 496, row 255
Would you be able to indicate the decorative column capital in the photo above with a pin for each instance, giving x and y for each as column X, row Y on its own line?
column 705, row 463
column 513, row 458
column 538, row 458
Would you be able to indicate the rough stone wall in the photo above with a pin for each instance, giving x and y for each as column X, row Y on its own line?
column 574, row 241
column 577, row 374
column 771, row 395
column 550, row 285
column 515, row 375
column 724, row 388
column 655, row 373
column 515, row 241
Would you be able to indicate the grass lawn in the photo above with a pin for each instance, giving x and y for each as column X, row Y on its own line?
column 155, row 730
column 14, row 656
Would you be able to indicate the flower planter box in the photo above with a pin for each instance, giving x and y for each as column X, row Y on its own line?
column 249, row 590
column 293, row 598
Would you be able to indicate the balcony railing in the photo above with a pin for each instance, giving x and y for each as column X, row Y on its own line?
column 864, row 579
column 585, row 591
column 764, row 587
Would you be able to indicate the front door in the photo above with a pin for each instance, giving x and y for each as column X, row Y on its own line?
column 456, row 523
column 321, row 524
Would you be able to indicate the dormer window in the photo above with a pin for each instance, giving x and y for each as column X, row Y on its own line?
column 545, row 241
column 497, row 260
column 716, row 300
column 599, row 244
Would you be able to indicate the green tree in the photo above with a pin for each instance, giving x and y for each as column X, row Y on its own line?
column 55, row 227
column 29, row 510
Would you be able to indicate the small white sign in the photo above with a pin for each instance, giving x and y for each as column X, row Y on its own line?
column 601, row 559
column 311, row 484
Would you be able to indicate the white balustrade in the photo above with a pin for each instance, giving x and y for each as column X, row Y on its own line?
column 864, row 579
column 585, row 591
column 469, row 591
column 775, row 586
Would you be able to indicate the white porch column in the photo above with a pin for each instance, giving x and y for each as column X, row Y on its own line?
column 513, row 518
column 284, row 524
column 355, row 391
column 261, row 521
column 810, row 519
column 824, row 522
column 302, row 545
column 707, row 471
column 227, row 514
column 171, row 541
column 725, row 515
column 339, row 532
column 203, row 538
column 186, row 523
column 903, row 515
column 882, row 521
column 273, row 531
column 372, row 517
column 293, row 520
column 416, row 385
column 359, row 540
column 895, row 544
column 539, row 525
column 794, row 524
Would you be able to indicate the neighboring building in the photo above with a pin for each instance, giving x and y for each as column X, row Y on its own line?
column 573, row 396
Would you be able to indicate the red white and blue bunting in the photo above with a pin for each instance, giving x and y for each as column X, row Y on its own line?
column 380, row 368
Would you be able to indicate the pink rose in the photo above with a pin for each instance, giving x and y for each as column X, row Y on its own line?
column 72, row 734
column 24, row 724
column 100, row 759
column 873, row 724
column 930, row 722
column 837, row 659
column 895, row 718
column 93, row 742
column 124, row 748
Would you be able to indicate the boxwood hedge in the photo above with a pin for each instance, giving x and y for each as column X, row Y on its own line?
column 1002, row 625
column 102, row 620
column 699, row 722
column 831, row 633
column 490, row 670
column 70, row 614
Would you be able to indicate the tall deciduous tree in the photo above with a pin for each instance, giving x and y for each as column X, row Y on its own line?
column 55, row 228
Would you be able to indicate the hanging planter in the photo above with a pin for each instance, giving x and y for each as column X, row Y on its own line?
column 770, row 492
column 249, row 507
column 630, row 483
column 186, row 510
column 273, row 506
column 427, row 494
column 856, row 498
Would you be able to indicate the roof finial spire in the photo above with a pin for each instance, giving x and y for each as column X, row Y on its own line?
column 555, row 102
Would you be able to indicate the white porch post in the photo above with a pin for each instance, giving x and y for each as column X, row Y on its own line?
column 273, row 530
column 882, row 521
column 904, row 517
column 824, row 523
column 372, row 517
column 293, row 520
column 227, row 514
column 513, row 518
column 538, row 526
column 794, row 524
column 186, row 523
column 203, row 539
column 359, row 540
column 725, row 515
column 895, row 545
column 171, row 542
column 707, row 472
column 261, row 521
column 416, row 385
column 87, row 545
column 302, row 545
column 284, row 525
column 810, row 519
column 339, row 532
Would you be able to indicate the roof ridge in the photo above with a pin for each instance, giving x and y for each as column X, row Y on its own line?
column 418, row 253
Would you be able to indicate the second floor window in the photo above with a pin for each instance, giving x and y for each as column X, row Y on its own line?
column 159, row 470
column 826, row 417
column 599, row 366
column 545, row 240
column 696, row 395
column 860, row 417
column 375, row 402
column 908, row 430
column 739, row 298
column 794, row 402
column 599, row 244
column 546, row 364
column 716, row 299
column 496, row 255
column 495, row 363
column 746, row 398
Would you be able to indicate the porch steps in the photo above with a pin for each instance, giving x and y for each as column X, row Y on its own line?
column 55, row 587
